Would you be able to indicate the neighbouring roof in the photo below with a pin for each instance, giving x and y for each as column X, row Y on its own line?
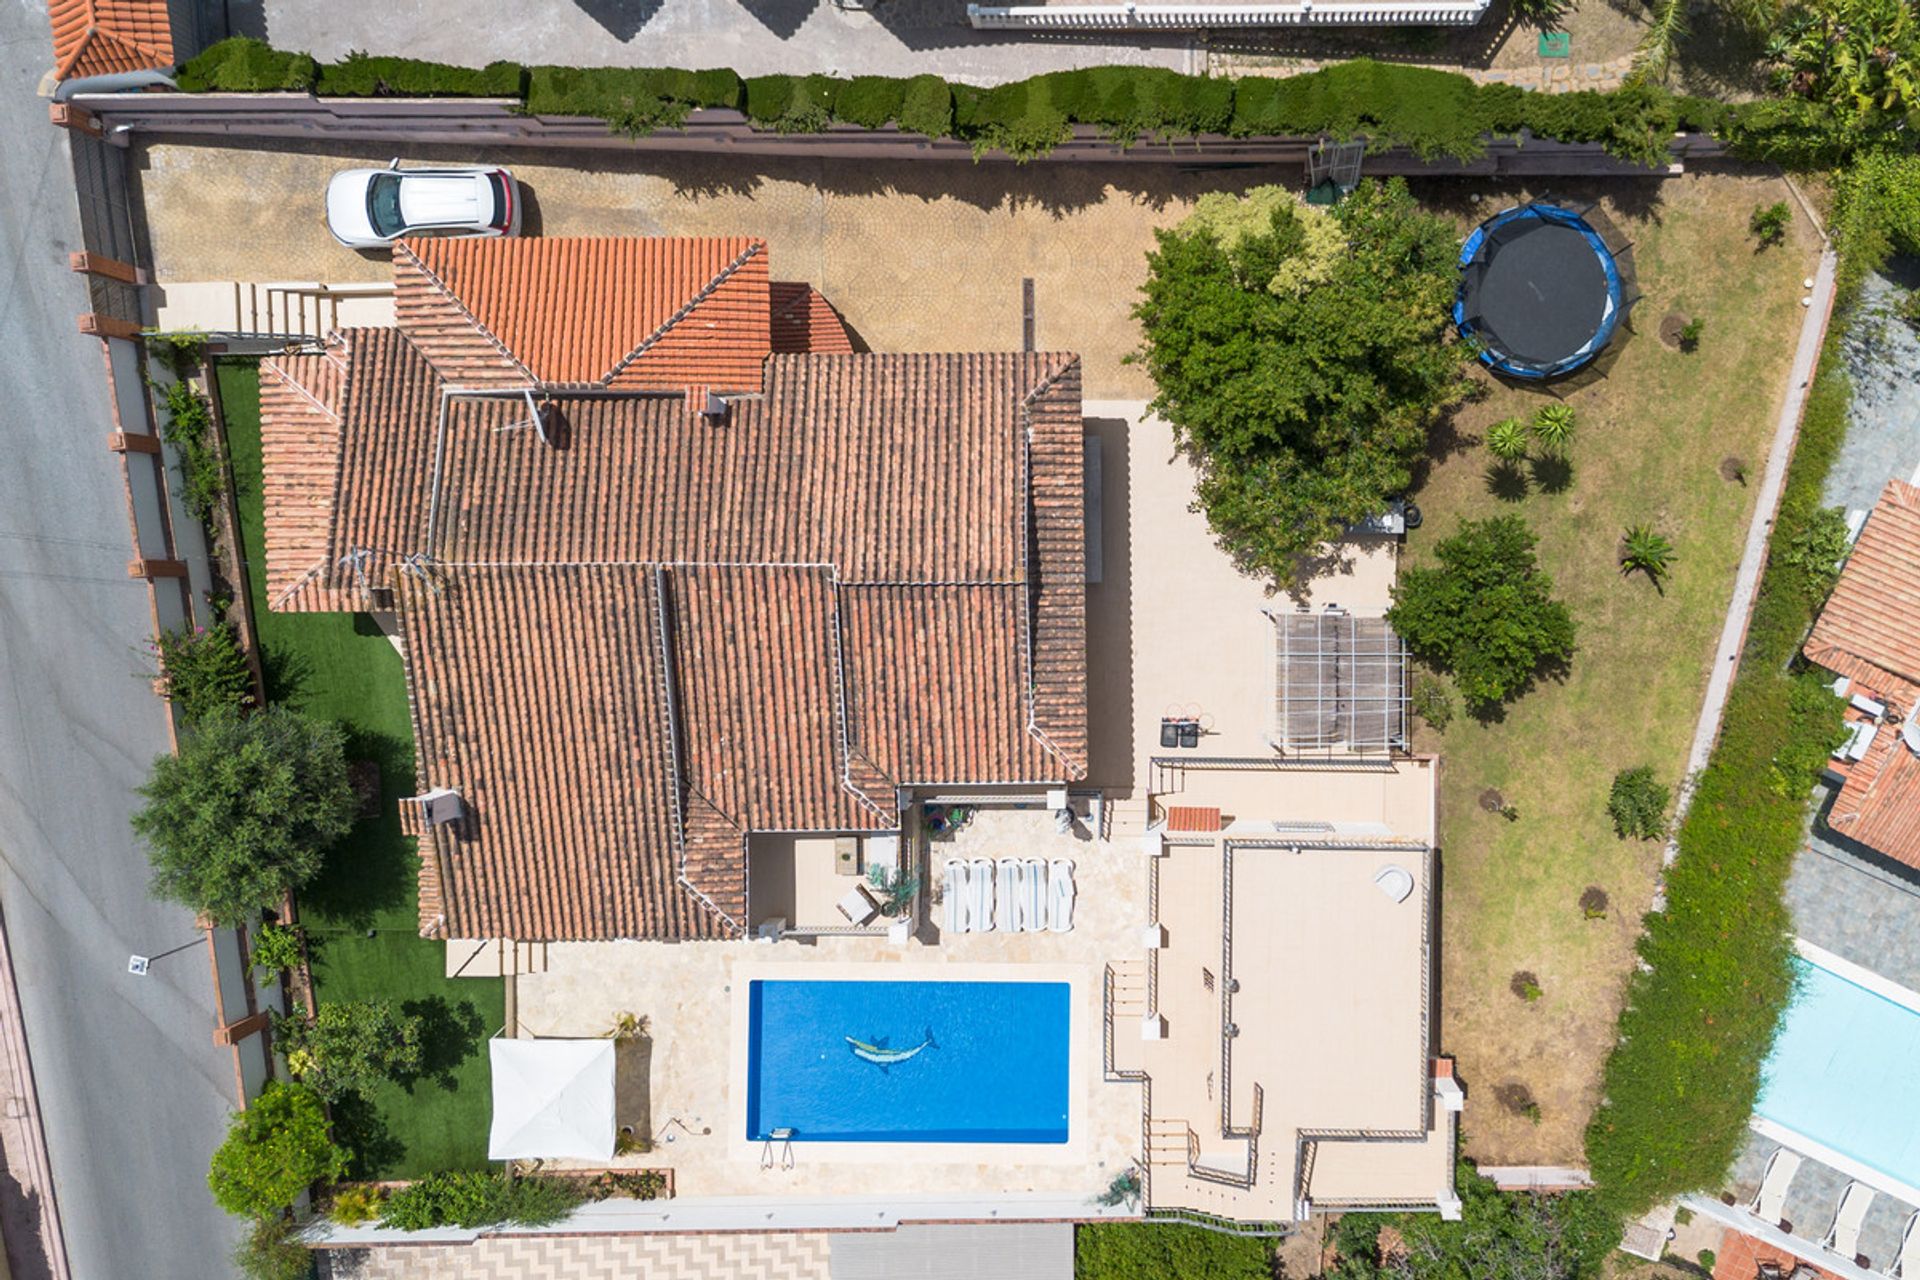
column 634, row 634
column 1870, row 626
column 102, row 37
column 1878, row 803
column 803, row 320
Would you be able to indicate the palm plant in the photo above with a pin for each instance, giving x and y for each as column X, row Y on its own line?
column 1662, row 39
column 1553, row 423
column 1507, row 439
column 1646, row 551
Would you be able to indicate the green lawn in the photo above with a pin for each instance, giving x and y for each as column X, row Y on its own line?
column 360, row 915
column 1652, row 445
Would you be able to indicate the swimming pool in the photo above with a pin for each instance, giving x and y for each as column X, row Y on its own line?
column 1842, row 1074
column 908, row 1061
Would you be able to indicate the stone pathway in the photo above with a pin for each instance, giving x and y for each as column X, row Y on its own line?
column 791, row 1256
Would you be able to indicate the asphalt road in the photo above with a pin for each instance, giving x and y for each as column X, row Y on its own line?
column 134, row 1094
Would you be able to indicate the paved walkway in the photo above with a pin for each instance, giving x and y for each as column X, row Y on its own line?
column 754, row 37
column 1551, row 75
column 29, row 1210
column 798, row 1256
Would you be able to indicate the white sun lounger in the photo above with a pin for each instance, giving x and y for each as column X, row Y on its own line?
column 1907, row 1265
column 1033, row 896
column 1770, row 1202
column 1843, row 1237
column 953, row 897
column 1008, row 888
column 980, row 872
column 1060, row 895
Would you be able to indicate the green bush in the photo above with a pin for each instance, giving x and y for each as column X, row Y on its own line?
column 926, row 107
column 189, row 429
column 1159, row 1250
column 356, row 1205
column 633, row 101
column 1769, row 222
column 361, row 76
column 1485, row 613
column 872, row 102
column 203, row 671
column 792, row 104
column 245, row 812
column 1814, row 545
column 477, row 1199
column 349, row 1046
column 271, row 1250
column 274, row 1150
column 275, row 948
column 1433, row 701
column 1638, row 804
column 242, row 65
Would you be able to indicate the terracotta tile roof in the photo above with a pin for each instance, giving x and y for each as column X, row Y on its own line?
column 300, row 431
column 803, row 320
column 1740, row 1255
column 639, row 313
column 1879, row 803
column 102, row 37
column 1873, row 615
column 642, row 635
column 1192, row 818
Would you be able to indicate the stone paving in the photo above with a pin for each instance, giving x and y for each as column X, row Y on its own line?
column 1814, row 1195
column 789, row 1256
column 1883, row 359
column 1859, row 906
column 1550, row 76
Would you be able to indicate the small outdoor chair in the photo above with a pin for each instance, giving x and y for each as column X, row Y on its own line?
column 1843, row 1237
column 1770, row 1202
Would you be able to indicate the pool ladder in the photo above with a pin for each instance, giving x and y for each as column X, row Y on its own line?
column 785, row 1138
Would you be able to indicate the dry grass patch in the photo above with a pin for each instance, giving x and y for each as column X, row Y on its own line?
column 1651, row 443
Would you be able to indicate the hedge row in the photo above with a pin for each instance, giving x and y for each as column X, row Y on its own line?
column 1432, row 113
column 1681, row 1082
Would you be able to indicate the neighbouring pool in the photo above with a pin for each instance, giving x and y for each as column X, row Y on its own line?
column 993, row 1067
column 1842, row 1073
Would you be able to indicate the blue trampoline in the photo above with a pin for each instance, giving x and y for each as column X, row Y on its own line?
column 1541, row 293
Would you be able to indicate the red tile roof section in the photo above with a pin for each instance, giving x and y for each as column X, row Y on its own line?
column 1182, row 817
column 1879, row 803
column 1871, row 616
column 1740, row 1255
column 103, row 37
column 300, row 431
column 640, row 313
column 803, row 321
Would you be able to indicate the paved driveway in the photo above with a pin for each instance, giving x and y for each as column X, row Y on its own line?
column 754, row 37
column 917, row 256
column 133, row 1092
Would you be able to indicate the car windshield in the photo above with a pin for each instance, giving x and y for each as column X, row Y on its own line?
column 383, row 205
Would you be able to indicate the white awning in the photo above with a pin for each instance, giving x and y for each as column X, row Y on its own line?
column 551, row 1098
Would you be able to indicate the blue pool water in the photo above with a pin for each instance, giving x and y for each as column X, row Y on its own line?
column 1843, row 1073
column 996, row 1070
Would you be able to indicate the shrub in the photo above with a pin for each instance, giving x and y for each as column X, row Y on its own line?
column 1593, row 901
column 1509, row 1236
column 1304, row 410
column 477, row 1199
column 360, row 76
column 639, row 1184
column 271, row 1250
column 1433, row 701
column 1554, row 424
column 349, row 1046
column 1638, row 804
column 1813, row 549
column 276, row 948
column 242, row 65
column 1525, row 985
column 1644, row 550
column 1769, row 222
column 1508, row 439
column 1485, row 613
column 926, row 107
column 245, row 812
column 1706, row 1258
column 203, row 671
column 1690, row 334
column 792, row 104
column 632, row 101
column 358, row 1204
column 189, row 429
column 273, row 1151
column 1156, row 1251
column 870, row 101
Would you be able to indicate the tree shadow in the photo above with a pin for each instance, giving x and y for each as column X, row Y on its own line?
column 359, row 1127
column 374, row 867
column 1507, row 482
column 21, row 1229
column 285, row 670
column 1554, row 474
column 450, row 1034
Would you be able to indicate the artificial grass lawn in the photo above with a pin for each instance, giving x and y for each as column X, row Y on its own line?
column 360, row 914
column 1651, row 441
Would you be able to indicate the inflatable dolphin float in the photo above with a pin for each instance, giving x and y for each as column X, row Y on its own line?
column 884, row 1057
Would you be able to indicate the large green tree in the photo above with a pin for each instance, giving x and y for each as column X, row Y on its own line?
column 350, row 1045
column 245, row 812
column 1301, row 357
column 1485, row 612
column 1499, row 1236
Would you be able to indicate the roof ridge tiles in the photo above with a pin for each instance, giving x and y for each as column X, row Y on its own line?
column 686, row 308
column 453, row 299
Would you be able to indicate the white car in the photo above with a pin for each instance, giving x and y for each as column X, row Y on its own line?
column 371, row 208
